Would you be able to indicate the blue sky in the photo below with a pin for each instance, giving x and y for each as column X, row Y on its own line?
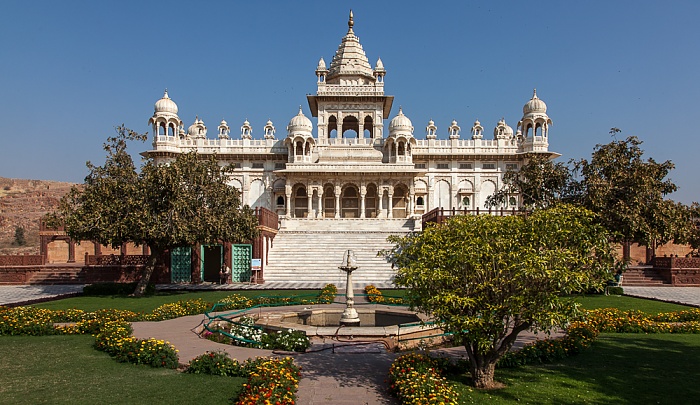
column 72, row 70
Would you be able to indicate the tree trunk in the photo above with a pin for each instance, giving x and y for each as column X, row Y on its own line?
column 483, row 375
column 147, row 272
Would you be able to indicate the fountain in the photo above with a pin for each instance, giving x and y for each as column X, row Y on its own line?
column 391, row 325
column 349, row 316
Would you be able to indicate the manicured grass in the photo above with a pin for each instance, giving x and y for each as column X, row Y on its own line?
column 617, row 368
column 68, row 370
column 628, row 303
column 149, row 303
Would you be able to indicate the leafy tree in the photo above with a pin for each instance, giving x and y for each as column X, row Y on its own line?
column 163, row 206
column 540, row 182
column 20, row 239
column 627, row 191
column 488, row 278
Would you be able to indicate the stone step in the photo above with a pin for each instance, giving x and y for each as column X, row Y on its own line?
column 311, row 250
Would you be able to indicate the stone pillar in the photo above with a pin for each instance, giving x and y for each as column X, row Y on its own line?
column 390, row 213
column 71, row 251
column 363, row 193
column 411, row 206
column 309, row 202
column 337, row 202
column 380, row 196
column 360, row 129
column 288, row 201
column 320, row 203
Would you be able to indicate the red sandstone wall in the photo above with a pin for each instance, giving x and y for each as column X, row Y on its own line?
column 638, row 253
column 57, row 252
column 81, row 249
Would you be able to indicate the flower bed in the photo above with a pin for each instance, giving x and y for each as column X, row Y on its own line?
column 243, row 332
column 412, row 375
column 376, row 296
column 270, row 381
column 416, row 379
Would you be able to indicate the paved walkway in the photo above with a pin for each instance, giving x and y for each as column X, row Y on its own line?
column 29, row 294
column 678, row 295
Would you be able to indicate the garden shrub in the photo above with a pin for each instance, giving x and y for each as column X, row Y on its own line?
column 416, row 379
column 270, row 381
column 327, row 294
column 215, row 363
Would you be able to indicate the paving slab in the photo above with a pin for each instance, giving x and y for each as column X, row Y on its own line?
column 678, row 295
column 29, row 294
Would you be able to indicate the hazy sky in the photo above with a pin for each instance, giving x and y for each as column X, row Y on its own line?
column 72, row 70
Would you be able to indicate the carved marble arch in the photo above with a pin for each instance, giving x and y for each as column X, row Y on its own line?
column 371, row 201
column 368, row 130
column 350, row 201
column 300, row 201
column 166, row 127
column 399, row 202
column 328, row 200
column 333, row 126
column 351, row 127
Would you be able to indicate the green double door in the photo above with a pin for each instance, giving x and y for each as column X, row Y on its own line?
column 241, row 255
column 210, row 262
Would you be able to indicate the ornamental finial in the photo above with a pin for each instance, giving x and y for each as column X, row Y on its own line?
column 350, row 21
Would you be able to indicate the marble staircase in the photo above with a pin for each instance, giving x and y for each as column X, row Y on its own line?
column 310, row 250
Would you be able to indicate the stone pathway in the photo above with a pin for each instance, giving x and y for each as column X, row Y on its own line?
column 677, row 295
column 29, row 294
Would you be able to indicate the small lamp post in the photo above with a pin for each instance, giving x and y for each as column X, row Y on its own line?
column 349, row 316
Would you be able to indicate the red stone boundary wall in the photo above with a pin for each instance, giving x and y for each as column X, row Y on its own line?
column 17, row 275
column 682, row 271
column 21, row 260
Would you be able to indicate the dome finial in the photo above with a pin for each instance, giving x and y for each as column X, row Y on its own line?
column 165, row 94
column 534, row 93
column 350, row 21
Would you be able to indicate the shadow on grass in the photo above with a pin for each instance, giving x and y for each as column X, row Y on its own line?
column 618, row 368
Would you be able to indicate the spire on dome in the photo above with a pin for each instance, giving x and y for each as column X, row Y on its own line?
column 350, row 59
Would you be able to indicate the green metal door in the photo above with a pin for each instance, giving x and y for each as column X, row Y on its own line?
column 181, row 265
column 240, row 262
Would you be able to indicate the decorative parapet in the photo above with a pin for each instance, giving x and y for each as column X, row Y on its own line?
column 345, row 90
column 676, row 262
column 21, row 260
column 440, row 215
column 116, row 260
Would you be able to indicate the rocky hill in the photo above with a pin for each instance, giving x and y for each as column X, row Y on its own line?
column 22, row 204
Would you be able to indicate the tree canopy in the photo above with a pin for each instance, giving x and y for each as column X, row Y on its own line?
column 540, row 182
column 162, row 206
column 488, row 278
column 626, row 190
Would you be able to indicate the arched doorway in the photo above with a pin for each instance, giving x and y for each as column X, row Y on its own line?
column 398, row 204
column 371, row 201
column 300, row 203
column 350, row 203
column 329, row 201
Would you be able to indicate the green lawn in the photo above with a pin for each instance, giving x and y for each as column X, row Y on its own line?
column 149, row 303
column 616, row 369
column 68, row 370
column 627, row 303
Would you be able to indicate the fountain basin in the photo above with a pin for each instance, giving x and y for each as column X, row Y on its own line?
column 321, row 322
